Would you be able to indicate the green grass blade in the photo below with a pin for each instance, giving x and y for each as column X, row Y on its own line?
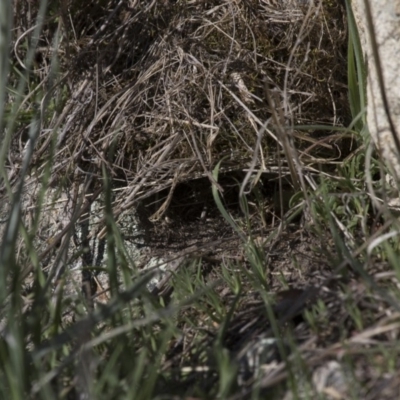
column 221, row 207
column 357, row 73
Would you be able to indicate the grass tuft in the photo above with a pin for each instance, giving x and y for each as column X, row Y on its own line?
column 195, row 214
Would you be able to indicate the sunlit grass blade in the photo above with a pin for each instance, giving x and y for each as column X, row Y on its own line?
column 357, row 75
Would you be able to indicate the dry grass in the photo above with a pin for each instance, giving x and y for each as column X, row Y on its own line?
column 159, row 92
